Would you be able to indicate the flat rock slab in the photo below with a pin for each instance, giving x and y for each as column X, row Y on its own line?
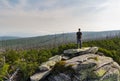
column 82, row 50
column 39, row 76
column 91, row 58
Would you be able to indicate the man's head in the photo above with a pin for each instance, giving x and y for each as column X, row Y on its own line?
column 79, row 29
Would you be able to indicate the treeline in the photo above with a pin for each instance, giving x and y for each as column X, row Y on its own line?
column 27, row 61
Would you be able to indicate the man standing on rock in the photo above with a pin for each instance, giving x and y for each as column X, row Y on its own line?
column 79, row 36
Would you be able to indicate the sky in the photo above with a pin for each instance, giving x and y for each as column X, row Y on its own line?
column 41, row 17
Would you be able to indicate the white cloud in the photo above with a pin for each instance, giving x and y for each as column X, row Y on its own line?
column 55, row 16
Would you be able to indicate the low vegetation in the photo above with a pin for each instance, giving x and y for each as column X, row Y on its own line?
column 29, row 60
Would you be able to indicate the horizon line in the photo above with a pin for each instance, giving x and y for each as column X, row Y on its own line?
column 51, row 34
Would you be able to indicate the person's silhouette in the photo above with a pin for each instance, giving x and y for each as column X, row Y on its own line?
column 79, row 36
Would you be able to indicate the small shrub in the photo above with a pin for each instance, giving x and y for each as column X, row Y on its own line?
column 3, row 71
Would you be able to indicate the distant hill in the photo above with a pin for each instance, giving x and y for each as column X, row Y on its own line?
column 99, row 35
column 8, row 37
column 55, row 40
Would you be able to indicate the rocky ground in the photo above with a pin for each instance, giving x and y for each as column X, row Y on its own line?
column 79, row 65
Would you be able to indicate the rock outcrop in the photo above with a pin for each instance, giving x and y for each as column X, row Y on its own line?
column 83, row 65
column 45, row 68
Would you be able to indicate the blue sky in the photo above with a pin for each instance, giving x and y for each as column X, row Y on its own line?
column 40, row 17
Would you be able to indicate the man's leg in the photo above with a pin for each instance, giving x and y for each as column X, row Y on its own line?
column 80, row 43
column 77, row 43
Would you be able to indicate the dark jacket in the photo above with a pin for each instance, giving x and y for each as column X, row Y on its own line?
column 79, row 35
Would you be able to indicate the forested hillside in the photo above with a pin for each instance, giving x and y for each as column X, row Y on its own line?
column 26, row 62
column 54, row 40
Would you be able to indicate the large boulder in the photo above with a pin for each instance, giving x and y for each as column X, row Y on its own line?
column 88, row 67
